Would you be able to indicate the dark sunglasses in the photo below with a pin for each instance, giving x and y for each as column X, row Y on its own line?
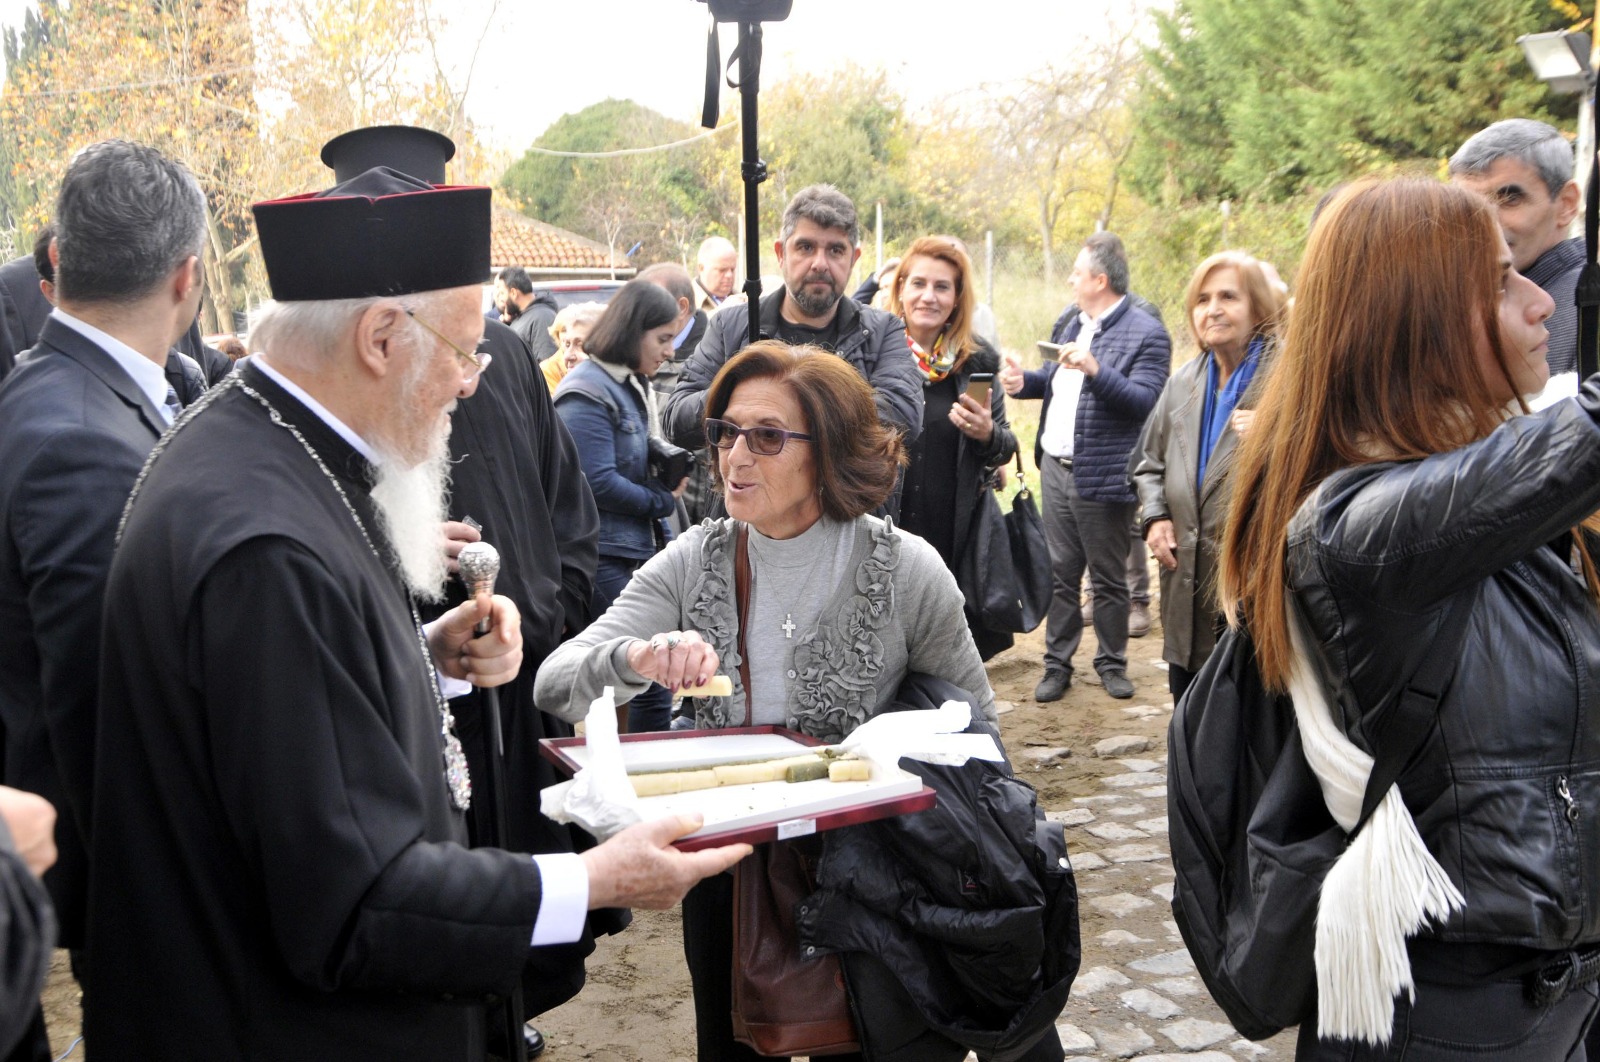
column 762, row 440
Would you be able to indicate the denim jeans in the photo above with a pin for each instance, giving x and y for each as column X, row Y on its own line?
column 652, row 709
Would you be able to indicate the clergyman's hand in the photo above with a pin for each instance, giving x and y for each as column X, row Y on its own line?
column 640, row 868
column 491, row 659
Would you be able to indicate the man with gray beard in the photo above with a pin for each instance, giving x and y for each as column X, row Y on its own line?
column 278, row 868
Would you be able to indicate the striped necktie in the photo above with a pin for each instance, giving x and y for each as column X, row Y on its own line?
column 173, row 406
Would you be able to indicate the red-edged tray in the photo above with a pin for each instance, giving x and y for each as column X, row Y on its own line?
column 893, row 792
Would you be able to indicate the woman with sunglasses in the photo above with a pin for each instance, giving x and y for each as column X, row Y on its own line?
column 607, row 404
column 840, row 606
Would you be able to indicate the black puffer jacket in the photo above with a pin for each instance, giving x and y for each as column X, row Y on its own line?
column 971, row 905
column 1506, row 792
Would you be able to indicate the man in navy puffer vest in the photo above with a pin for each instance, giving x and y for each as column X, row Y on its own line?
column 1114, row 363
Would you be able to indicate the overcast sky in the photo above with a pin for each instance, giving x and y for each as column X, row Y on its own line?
column 544, row 58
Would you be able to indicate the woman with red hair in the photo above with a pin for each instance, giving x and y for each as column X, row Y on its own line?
column 963, row 437
column 1391, row 477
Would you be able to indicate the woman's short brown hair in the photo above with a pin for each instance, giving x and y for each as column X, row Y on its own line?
column 857, row 458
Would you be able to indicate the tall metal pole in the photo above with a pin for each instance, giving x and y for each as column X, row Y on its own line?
column 752, row 168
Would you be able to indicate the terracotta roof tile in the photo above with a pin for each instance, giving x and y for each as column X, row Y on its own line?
column 520, row 240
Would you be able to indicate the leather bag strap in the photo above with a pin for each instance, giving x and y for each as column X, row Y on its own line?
column 741, row 590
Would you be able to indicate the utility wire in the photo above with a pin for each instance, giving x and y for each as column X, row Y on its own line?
column 620, row 152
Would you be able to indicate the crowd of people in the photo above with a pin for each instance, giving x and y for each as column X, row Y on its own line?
column 246, row 720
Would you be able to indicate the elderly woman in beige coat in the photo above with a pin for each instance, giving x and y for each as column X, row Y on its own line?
column 1180, row 467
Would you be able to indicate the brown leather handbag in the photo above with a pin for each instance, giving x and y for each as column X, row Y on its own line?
column 784, row 1003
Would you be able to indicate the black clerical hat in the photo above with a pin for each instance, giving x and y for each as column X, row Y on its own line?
column 379, row 233
column 410, row 149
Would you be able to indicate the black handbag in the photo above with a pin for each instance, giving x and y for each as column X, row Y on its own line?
column 1250, row 834
column 1005, row 572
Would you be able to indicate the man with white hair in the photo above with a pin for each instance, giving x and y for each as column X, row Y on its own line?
column 715, row 267
column 278, row 868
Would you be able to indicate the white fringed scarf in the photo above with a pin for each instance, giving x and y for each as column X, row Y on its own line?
column 1383, row 888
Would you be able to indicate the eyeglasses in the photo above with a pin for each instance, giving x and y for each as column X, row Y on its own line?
column 476, row 362
column 762, row 440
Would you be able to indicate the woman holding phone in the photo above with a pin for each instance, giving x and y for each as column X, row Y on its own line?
column 965, row 435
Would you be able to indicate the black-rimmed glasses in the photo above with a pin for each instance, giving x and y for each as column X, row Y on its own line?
column 477, row 362
column 762, row 440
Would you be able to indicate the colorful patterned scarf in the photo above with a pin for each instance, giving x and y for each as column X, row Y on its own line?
column 935, row 364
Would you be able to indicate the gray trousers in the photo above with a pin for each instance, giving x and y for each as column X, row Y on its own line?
column 1085, row 535
column 1138, row 567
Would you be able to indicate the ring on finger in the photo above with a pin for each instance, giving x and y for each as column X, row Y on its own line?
column 672, row 641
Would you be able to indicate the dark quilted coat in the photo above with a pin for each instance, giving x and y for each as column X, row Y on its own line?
column 971, row 906
column 1135, row 356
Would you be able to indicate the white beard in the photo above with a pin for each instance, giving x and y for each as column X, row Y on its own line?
column 412, row 503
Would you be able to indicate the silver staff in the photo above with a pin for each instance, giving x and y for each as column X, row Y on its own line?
column 480, row 565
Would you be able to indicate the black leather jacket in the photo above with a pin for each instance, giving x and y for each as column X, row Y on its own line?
column 1506, row 792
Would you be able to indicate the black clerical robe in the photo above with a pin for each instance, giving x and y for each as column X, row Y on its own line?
column 278, row 870
column 515, row 470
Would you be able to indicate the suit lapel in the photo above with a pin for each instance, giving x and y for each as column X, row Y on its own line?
column 73, row 344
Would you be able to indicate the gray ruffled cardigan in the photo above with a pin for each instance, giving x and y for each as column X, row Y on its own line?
column 901, row 613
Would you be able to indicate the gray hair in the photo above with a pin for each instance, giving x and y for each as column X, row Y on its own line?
column 126, row 217
column 576, row 313
column 671, row 276
column 715, row 245
column 1107, row 256
column 1532, row 143
column 310, row 332
column 825, row 206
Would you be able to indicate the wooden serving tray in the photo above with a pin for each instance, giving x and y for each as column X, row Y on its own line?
column 768, row 811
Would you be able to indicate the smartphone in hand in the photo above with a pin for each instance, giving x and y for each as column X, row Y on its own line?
column 978, row 387
column 1049, row 351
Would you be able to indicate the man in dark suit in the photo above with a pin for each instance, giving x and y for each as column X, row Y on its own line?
column 23, row 305
column 77, row 420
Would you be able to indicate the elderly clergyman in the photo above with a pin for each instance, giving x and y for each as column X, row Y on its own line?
column 277, row 861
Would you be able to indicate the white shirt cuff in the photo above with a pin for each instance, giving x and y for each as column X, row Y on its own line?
column 449, row 688
column 563, row 898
